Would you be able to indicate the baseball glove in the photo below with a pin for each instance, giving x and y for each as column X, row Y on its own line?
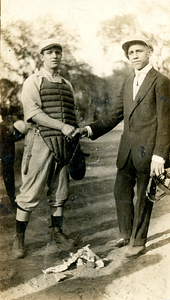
column 159, row 186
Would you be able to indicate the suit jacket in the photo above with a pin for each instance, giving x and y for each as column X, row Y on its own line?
column 146, row 121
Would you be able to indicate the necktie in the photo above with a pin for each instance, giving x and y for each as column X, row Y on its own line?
column 136, row 85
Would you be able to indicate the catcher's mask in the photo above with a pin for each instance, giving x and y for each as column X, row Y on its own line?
column 159, row 186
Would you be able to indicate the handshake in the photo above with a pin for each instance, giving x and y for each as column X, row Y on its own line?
column 83, row 132
column 70, row 132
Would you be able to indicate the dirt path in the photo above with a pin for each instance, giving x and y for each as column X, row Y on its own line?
column 90, row 217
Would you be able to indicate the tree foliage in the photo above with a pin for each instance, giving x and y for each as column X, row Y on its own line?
column 117, row 28
column 94, row 95
column 121, row 28
column 22, row 39
column 10, row 105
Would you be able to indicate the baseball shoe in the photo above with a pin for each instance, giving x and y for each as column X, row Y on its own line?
column 18, row 250
column 59, row 237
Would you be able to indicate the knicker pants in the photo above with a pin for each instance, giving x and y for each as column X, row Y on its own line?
column 36, row 177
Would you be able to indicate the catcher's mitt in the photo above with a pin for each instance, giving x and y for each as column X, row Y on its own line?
column 159, row 186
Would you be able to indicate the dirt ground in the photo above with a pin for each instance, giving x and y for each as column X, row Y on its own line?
column 90, row 218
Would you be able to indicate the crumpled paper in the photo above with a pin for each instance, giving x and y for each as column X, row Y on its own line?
column 82, row 257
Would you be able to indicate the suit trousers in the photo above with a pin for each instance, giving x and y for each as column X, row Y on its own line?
column 133, row 211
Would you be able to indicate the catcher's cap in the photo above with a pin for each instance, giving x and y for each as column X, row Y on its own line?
column 21, row 126
column 47, row 44
column 137, row 40
column 159, row 187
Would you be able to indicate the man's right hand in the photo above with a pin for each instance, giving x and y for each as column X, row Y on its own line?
column 67, row 130
column 82, row 131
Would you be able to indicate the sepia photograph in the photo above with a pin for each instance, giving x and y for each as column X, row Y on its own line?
column 85, row 150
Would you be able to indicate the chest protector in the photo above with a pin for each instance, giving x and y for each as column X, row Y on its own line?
column 58, row 103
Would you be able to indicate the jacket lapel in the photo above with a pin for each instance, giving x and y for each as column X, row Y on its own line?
column 145, row 87
column 129, row 96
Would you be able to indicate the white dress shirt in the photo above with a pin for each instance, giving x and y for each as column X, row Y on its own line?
column 139, row 78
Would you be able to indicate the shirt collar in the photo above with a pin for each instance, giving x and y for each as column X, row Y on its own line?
column 50, row 74
column 145, row 70
column 51, row 77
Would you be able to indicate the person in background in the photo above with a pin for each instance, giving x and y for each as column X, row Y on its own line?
column 10, row 132
column 144, row 105
column 49, row 108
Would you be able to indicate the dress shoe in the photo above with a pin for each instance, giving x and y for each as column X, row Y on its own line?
column 121, row 242
column 135, row 251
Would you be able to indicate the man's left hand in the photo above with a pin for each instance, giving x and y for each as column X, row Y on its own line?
column 157, row 168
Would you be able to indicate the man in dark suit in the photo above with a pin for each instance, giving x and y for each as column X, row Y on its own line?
column 144, row 105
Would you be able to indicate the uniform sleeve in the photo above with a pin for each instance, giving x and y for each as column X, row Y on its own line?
column 31, row 98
